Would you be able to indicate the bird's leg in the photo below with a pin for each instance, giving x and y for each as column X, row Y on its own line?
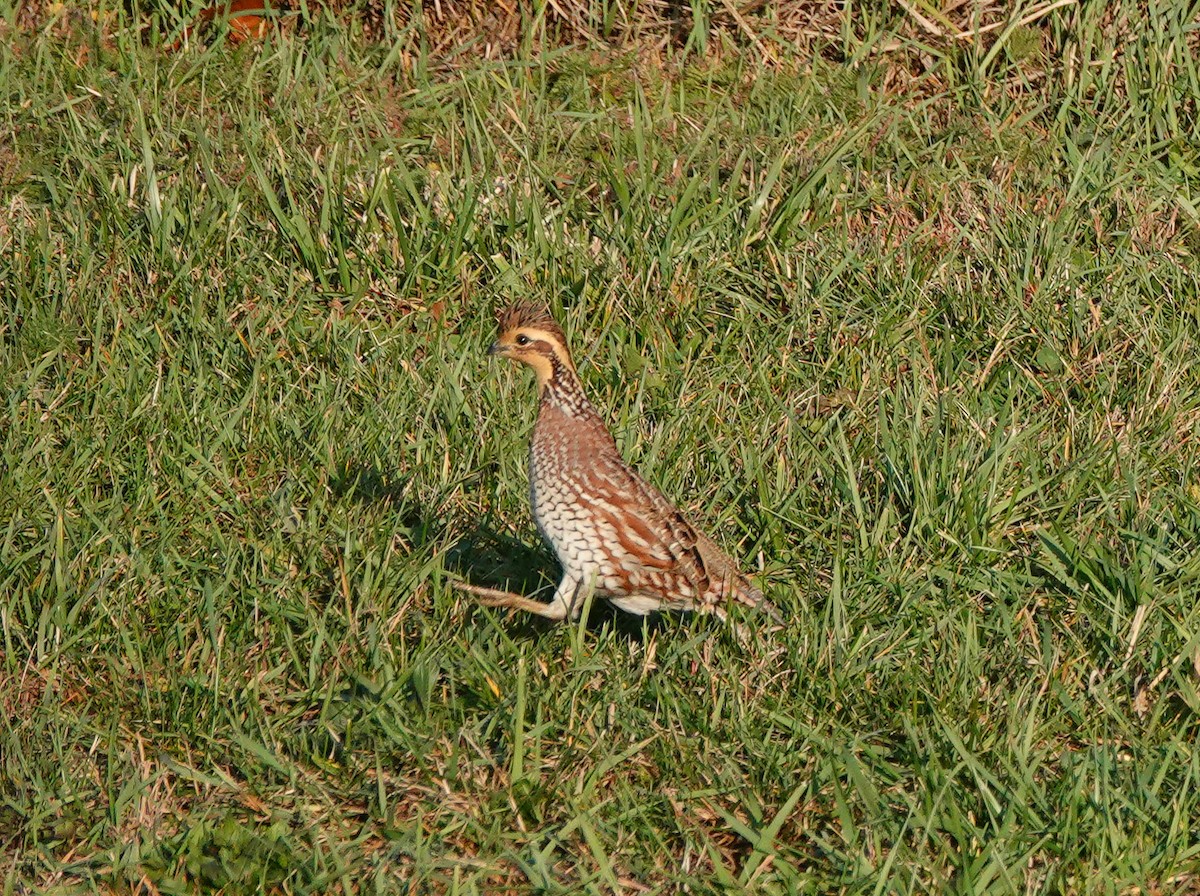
column 571, row 595
column 739, row 631
column 493, row 597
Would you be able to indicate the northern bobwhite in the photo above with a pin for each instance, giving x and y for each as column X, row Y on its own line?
column 612, row 531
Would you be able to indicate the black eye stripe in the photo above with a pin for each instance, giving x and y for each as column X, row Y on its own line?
column 533, row 344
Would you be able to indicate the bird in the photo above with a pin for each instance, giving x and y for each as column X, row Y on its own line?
column 616, row 536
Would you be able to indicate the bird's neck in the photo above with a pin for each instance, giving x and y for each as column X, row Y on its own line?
column 560, row 388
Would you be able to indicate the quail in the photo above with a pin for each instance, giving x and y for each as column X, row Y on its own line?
column 615, row 534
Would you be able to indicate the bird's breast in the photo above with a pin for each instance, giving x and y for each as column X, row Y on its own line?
column 562, row 467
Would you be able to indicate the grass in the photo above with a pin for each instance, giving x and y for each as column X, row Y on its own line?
column 914, row 334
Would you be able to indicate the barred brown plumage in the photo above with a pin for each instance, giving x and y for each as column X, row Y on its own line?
column 614, row 533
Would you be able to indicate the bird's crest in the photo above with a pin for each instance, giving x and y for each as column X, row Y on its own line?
column 530, row 314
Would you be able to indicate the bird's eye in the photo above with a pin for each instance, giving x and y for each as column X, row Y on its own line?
column 522, row 339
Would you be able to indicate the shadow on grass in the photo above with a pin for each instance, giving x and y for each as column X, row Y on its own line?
column 368, row 485
column 486, row 557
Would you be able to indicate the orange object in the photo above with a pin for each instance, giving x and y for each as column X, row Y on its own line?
column 248, row 19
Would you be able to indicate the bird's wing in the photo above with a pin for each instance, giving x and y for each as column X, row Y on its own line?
column 656, row 546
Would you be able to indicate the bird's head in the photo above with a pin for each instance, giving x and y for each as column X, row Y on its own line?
column 530, row 335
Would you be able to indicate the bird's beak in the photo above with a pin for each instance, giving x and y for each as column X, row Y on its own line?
column 496, row 348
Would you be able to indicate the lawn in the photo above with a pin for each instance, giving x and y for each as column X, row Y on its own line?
column 908, row 320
